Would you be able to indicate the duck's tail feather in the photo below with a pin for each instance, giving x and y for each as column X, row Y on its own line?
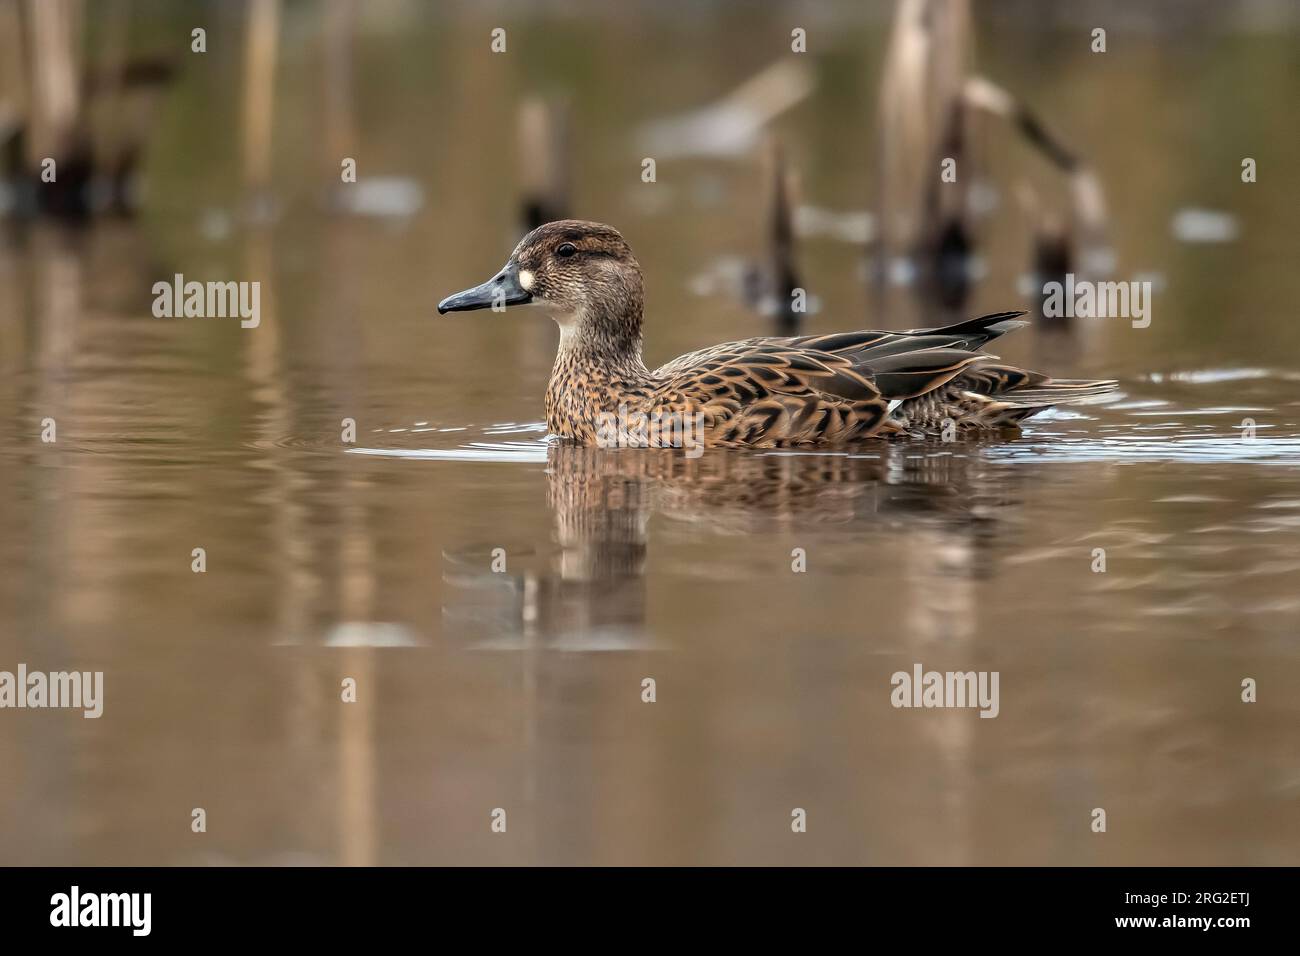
column 1012, row 394
column 976, row 332
column 1061, row 391
column 1023, row 387
column 974, row 393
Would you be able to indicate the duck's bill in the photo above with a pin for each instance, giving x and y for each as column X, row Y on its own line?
column 497, row 293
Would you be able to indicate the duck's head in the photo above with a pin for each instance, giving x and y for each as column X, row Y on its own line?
column 584, row 272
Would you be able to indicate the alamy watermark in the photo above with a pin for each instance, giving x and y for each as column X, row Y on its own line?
column 208, row 300
column 1084, row 299
column 922, row 688
column 75, row 908
column 657, row 429
column 56, row 689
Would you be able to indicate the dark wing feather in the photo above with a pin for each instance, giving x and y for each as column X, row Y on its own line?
column 969, row 336
column 912, row 374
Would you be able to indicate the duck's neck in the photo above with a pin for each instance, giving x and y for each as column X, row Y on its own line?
column 603, row 340
column 598, row 367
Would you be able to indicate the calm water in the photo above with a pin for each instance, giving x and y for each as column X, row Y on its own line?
column 522, row 689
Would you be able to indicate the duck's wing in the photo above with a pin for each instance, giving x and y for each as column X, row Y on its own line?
column 764, row 394
column 866, row 344
column 967, row 336
column 848, row 386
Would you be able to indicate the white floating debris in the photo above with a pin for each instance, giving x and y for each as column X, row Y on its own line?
column 215, row 225
column 1204, row 225
column 854, row 227
column 1203, row 376
column 370, row 634
column 386, row 197
column 902, row 271
column 724, row 276
column 1098, row 261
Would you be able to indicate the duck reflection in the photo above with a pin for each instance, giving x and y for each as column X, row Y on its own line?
column 585, row 589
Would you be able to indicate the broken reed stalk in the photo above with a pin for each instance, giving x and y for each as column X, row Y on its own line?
column 338, row 39
column 782, row 275
column 259, row 91
column 925, row 66
column 1087, row 199
column 52, row 32
column 544, row 161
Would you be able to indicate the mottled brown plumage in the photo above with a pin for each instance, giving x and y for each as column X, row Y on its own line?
column 762, row 392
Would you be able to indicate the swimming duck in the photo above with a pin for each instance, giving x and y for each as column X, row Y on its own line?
column 760, row 392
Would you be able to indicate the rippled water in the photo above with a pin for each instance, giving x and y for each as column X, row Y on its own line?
column 520, row 688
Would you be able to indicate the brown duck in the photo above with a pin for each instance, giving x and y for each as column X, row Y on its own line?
column 762, row 392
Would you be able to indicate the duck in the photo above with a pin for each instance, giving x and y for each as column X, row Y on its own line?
column 765, row 392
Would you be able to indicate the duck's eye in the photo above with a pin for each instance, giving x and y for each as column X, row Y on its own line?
column 566, row 249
